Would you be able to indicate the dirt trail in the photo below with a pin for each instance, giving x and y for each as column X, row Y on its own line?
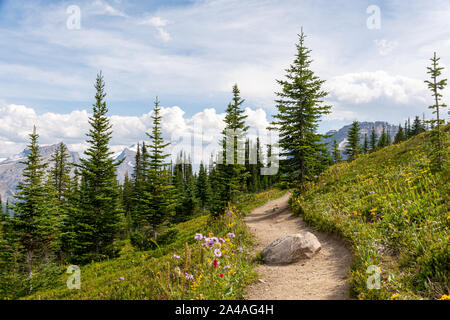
column 323, row 277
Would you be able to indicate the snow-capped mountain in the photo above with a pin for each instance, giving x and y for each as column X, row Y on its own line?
column 11, row 168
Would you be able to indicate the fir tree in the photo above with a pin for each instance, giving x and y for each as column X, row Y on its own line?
column 203, row 186
column 300, row 108
column 417, row 127
column 352, row 148
column 158, row 199
column 373, row 140
column 436, row 86
column 60, row 171
column 365, row 147
column 231, row 173
column 336, row 153
column 399, row 136
column 30, row 210
column 383, row 141
column 98, row 208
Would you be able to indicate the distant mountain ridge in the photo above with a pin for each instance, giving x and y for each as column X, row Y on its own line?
column 11, row 168
column 365, row 127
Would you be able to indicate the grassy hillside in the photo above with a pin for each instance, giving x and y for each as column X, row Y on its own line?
column 394, row 211
column 181, row 269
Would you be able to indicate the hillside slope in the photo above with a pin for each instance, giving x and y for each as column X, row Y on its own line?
column 180, row 268
column 394, row 211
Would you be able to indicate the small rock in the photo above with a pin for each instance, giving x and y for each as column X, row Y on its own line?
column 291, row 248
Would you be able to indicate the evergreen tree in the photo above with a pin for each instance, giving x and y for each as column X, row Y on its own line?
column 127, row 195
column 336, row 152
column 30, row 208
column 409, row 130
column 203, row 186
column 383, row 141
column 365, row 144
column 417, row 127
column 60, row 171
column 388, row 138
column 299, row 111
column 436, row 86
column 352, row 148
column 399, row 136
column 96, row 217
column 158, row 199
column 373, row 140
column 231, row 175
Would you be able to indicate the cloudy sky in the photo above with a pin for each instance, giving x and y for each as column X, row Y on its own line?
column 190, row 53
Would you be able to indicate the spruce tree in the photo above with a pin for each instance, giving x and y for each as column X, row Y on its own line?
column 30, row 208
column 417, row 126
column 300, row 108
column 365, row 144
column 60, row 171
column 231, row 173
column 336, row 153
column 158, row 199
column 203, row 186
column 98, row 204
column 373, row 140
column 352, row 148
column 399, row 136
column 382, row 142
column 436, row 86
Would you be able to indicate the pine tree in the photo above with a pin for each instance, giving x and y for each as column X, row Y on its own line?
column 399, row 136
column 336, row 152
column 203, row 186
column 158, row 199
column 127, row 195
column 417, row 127
column 383, row 141
column 231, row 174
column 352, row 148
column 60, row 171
column 299, row 111
column 365, row 144
column 98, row 205
column 30, row 209
column 388, row 138
column 436, row 86
column 373, row 140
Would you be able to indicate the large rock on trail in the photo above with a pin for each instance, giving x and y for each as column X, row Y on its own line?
column 291, row 248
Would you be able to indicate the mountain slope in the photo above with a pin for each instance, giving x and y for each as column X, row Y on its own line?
column 11, row 168
column 366, row 128
column 393, row 209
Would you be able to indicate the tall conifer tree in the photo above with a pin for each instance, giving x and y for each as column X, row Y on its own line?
column 300, row 108
column 98, row 209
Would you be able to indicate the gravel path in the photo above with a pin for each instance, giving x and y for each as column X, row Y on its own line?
column 321, row 278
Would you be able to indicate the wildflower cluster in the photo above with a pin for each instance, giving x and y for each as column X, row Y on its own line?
column 393, row 208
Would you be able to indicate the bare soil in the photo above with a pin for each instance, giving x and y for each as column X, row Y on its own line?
column 322, row 277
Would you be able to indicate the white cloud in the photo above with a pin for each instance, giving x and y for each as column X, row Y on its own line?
column 385, row 46
column 102, row 8
column 366, row 87
column 17, row 121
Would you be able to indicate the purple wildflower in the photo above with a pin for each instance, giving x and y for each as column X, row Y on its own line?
column 231, row 235
column 218, row 253
column 198, row 236
column 189, row 276
column 176, row 257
